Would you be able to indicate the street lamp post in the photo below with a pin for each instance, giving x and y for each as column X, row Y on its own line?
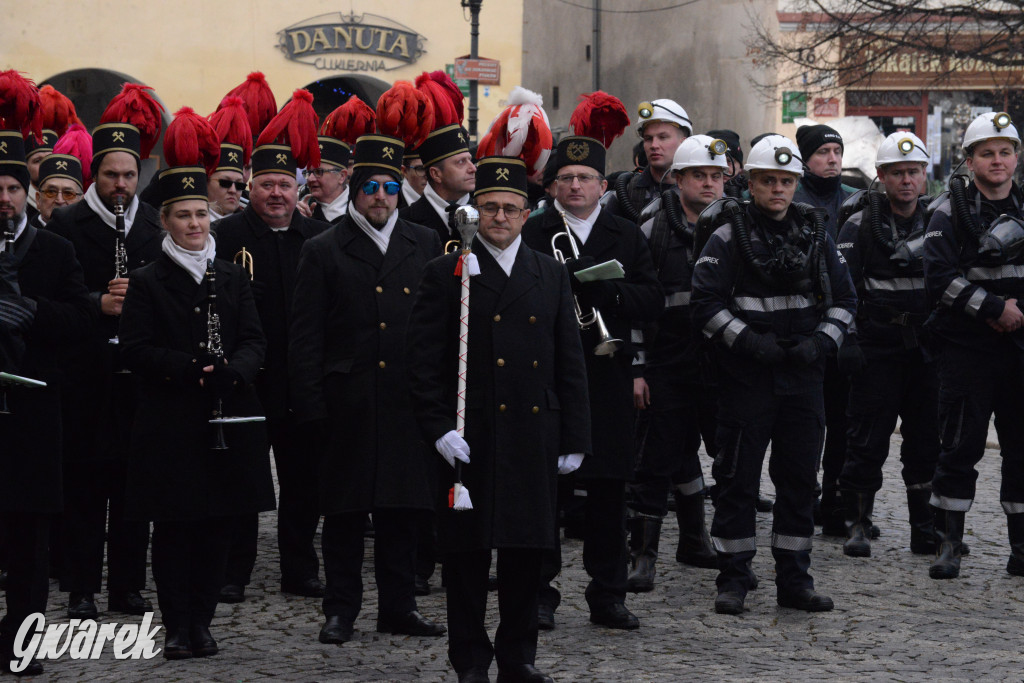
column 474, row 40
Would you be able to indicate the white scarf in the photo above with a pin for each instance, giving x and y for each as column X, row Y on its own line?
column 581, row 227
column 193, row 262
column 214, row 216
column 380, row 237
column 105, row 214
column 32, row 189
column 410, row 194
column 339, row 207
column 17, row 232
column 440, row 205
column 506, row 257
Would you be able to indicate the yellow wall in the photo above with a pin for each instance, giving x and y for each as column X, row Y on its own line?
column 192, row 52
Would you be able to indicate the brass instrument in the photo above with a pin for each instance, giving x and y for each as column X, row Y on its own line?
column 244, row 259
column 452, row 246
column 606, row 345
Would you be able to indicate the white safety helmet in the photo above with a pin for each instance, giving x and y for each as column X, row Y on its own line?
column 775, row 153
column 901, row 146
column 663, row 110
column 991, row 126
column 700, row 150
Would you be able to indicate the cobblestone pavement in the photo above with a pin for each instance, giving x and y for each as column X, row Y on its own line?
column 891, row 622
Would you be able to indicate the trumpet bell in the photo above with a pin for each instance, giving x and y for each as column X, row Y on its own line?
column 608, row 347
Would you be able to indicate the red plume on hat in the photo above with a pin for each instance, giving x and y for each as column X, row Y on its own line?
column 600, row 116
column 231, row 121
column 405, row 113
column 58, row 111
column 190, row 140
column 444, row 95
column 296, row 127
column 78, row 143
column 521, row 130
column 136, row 106
column 350, row 121
column 19, row 104
column 258, row 99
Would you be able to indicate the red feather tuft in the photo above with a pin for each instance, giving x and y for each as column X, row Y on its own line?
column 78, row 143
column 58, row 111
column 600, row 116
column 135, row 105
column 191, row 141
column 258, row 99
column 19, row 104
column 231, row 121
column 350, row 121
column 444, row 95
column 296, row 127
column 520, row 130
column 405, row 113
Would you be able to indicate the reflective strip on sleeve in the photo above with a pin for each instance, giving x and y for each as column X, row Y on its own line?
column 953, row 290
column 1012, row 508
column 636, row 336
column 734, row 545
column 770, row 304
column 996, row 273
column 896, row 284
column 691, row 488
column 677, row 299
column 832, row 331
column 717, row 322
column 973, row 305
column 732, row 331
column 951, row 504
column 791, row 542
column 640, row 358
column 840, row 314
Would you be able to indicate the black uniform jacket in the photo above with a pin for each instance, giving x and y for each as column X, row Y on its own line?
column 318, row 215
column 422, row 213
column 30, row 454
column 636, row 297
column 348, row 365
column 98, row 403
column 174, row 474
column 526, row 396
column 275, row 257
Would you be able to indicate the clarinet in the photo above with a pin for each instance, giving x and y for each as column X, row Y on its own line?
column 215, row 348
column 120, row 260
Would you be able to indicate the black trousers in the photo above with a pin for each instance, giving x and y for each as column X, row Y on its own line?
column 751, row 417
column 681, row 412
column 899, row 386
column 298, row 513
column 89, row 488
column 972, row 386
column 836, row 397
column 605, row 554
column 188, row 568
column 243, row 535
column 394, row 565
column 515, row 641
column 28, row 584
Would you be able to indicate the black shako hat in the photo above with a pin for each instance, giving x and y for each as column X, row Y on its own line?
column 443, row 143
column 182, row 182
column 334, row 152
column 60, row 166
column 377, row 154
column 577, row 150
column 500, row 174
column 231, row 157
column 273, row 158
column 33, row 145
column 12, row 157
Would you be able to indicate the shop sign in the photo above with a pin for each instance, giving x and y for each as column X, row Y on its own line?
column 794, row 105
column 351, row 42
column 826, row 106
column 910, row 68
column 484, row 71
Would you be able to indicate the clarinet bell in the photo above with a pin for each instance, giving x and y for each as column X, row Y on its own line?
column 219, row 442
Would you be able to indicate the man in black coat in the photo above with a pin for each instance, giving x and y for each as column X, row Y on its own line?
column 600, row 237
column 527, row 418
column 44, row 308
column 353, row 295
column 272, row 232
column 98, row 402
column 451, row 176
column 328, row 184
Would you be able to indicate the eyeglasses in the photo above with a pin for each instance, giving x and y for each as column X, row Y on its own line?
column 68, row 195
column 491, row 210
column 319, row 172
column 390, row 187
column 226, row 184
column 418, row 170
column 584, row 178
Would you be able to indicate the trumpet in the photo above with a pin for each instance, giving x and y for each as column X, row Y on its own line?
column 452, row 246
column 607, row 345
column 244, row 259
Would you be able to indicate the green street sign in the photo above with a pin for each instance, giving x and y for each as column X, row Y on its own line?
column 794, row 104
column 463, row 83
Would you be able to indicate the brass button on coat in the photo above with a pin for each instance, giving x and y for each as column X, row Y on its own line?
column 405, row 289
column 501, row 362
column 501, row 408
column 383, row 326
column 497, row 318
column 533, row 319
column 380, row 289
column 382, row 365
column 535, row 410
column 534, row 363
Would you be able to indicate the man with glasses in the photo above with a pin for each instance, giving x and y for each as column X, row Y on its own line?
column 355, row 284
column 273, row 231
column 600, row 237
column 451, row 176
column 413, row 181
column 60, row 184
column 226, row 184
column 35, row 151
column 328, row 185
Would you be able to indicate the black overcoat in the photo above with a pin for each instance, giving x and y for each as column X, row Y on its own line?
column 98, row 403
column 348, row 365
column 526, row 401
column 422, row 213
column 173, row 474
column 30, row 437
column 638, row 297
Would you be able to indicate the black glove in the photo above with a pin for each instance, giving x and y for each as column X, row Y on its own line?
column 850, row 359
column 575, row 265
column 258, row 290
column 764, row 348
column 810, row 349
column 223, row 380
column 597, row 294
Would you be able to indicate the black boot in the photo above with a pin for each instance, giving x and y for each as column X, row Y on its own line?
column 857, row 506
column 833, row 520
column 1015, row 529
column 644, row 532
column 695, row 547
column 922, row 525
column 949, row 533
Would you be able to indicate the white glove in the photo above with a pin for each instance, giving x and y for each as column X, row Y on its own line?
column 569, row 463
column 453, row 447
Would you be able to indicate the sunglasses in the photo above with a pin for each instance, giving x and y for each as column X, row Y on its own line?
column 390, row 188
column 226, row 184
column 68, row 195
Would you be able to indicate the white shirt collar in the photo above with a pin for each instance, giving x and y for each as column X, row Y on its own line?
column 339, row 207
column 440, row 205
column 506, row 257
column 409, row 193
column 581, row 227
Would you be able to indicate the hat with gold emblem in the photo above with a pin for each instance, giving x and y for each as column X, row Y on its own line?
column 60, row 166
column 289, row 141
column 598, row 119
column 500, row 174
column 192, row 150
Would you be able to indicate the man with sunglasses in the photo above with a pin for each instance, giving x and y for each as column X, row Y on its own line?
column 353, row 294
column 451, row 176
column 60, row 184
column 328, row 185
column 226, row 183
